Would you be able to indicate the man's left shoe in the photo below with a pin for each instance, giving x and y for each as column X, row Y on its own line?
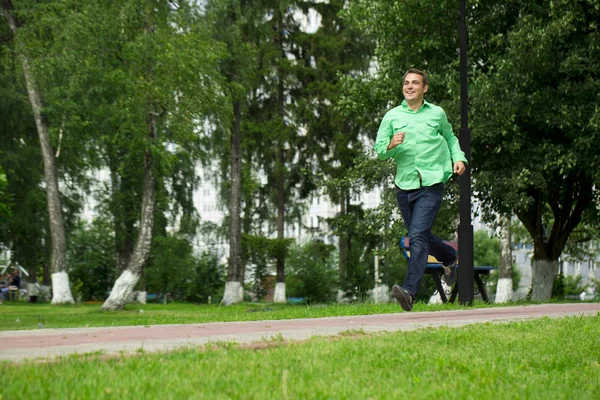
column 403, row 296
column 450, row 273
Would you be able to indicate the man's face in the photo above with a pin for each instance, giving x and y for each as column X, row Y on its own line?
column 413, row 88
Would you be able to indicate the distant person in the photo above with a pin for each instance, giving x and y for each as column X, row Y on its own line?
column 7, row 283
column 417, row 135
column 582, row 296
column 16, row 279
column 13, row 281
column 2, row 285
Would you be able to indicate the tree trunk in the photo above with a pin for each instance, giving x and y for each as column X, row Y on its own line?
column 61, row 291
column 233, row 287
column 279, row 295
column 342, row 249
column 342, row 243
column 246, row 226
column 126, row 282
column 504, row 289
column 544, row 273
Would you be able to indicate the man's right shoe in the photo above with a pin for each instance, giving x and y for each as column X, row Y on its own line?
column 403, row 296
column 450, row 273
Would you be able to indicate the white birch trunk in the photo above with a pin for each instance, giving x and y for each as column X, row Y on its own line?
column 436, row 298
column 61, row 291
column 233, row 293
column 279, row 296
column 504, row 290
column 380, row 294
column 543, row 275
column 121, row 291
column 141, row 297
column 341, row 297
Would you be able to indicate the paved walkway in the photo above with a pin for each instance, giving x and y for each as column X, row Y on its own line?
column 22, row 345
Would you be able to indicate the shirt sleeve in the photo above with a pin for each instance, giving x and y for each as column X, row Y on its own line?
column 384, row 137
column 453, row 145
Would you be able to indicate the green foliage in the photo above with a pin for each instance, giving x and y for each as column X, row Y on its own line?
column 170, row 268
column 486, row 250
column 91, row 259
column 5, row 201
column 543, row 135
column 558, row 287
column 208, row 280
column 312, row 272
column 173, row 269
column 574, row 285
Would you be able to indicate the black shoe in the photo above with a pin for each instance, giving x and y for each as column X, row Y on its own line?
column 404, row 298
column 450, row 273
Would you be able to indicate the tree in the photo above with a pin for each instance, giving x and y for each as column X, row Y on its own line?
column 332, row 142
column 61, row 292
column 25, row 230
column 239, row 18
column 142, row 79
column 171, row 71
column 534, row 144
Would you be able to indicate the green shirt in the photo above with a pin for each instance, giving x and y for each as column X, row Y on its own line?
column 429, row 146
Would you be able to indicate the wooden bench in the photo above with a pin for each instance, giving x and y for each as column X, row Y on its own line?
column 436, row 270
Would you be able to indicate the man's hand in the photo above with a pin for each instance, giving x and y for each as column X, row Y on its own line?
column 459, row 167
column 397, row 139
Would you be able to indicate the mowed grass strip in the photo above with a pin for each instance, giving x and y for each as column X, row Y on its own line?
column 536, row 359
column 23, row 316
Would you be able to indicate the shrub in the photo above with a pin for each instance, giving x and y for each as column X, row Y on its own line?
column 208, row 280
column 312, row 272
column 91, row 259
column 574, row 285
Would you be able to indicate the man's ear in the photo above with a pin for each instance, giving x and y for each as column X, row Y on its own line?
column 425, row 88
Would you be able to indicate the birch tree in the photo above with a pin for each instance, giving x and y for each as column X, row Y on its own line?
column 61, row 291
column 171, row 68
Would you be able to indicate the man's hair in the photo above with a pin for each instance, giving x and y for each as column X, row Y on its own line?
column 419, row 72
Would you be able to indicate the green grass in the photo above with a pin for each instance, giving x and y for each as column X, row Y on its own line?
column 538, row 359
column 22, row 316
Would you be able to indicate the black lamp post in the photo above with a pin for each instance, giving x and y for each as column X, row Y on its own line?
column 465, row 229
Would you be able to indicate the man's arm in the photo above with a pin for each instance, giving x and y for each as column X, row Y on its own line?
column 453, row 145
column 384, row 137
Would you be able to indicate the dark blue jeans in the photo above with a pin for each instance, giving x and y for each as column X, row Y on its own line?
column 419, row 207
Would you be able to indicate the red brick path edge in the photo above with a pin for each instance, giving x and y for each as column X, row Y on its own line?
column 48, row 343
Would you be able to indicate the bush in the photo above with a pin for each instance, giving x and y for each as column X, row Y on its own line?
column 574, row 285
column 208, row 280
column 558, row 288
column 91, row 252
column 486, row 250
column 312, row 272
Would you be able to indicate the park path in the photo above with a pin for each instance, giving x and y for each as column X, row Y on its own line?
column 48, row 343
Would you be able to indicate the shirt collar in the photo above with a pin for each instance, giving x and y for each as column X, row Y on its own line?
column 425, row 103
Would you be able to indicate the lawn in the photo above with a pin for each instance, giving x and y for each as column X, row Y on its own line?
column 536, row 359
column 22, row 316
